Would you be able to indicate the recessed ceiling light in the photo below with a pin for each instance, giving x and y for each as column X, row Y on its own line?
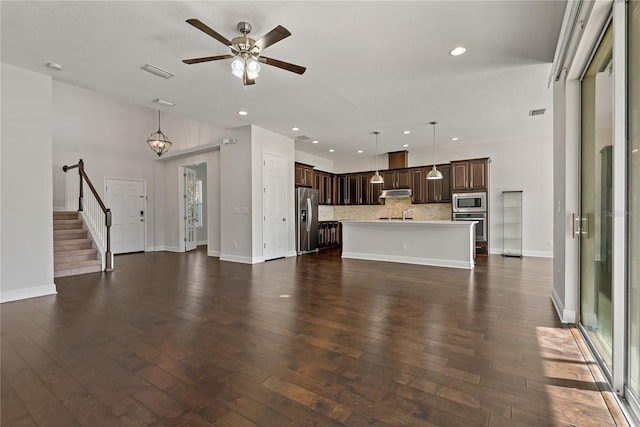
column 315, row 141
column 360, row 151
column 405, row 145
column 457, row 51
column 54, row 66
column 634, row 151
column 242, row 113
column 331, row 150
column 406, row 132
column 295, row 128
column 455, row 138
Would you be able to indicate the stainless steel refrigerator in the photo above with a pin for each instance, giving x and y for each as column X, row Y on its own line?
column 307, row 220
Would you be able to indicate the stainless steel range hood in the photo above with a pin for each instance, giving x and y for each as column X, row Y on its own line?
column 395, row 194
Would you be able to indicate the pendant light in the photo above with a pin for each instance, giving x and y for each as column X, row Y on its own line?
column 377, row 178
column 158, row 141
column 434, row 173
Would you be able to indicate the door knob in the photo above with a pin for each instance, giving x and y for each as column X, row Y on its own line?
column 284, row 219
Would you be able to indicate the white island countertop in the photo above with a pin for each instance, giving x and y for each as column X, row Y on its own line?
column 438, row 243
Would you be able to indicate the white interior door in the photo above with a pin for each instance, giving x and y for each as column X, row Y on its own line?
column 190, row 241
column 125, row 198
column 274, row 205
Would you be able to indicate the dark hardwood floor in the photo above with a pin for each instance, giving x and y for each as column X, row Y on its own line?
column 184, row 339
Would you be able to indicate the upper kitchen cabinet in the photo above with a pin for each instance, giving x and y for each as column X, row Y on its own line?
column 399, row 178
column 355, row 189
column 439, row 190
column 323, row 182
column 303, row 175
column 418, row 185
column 470, row 175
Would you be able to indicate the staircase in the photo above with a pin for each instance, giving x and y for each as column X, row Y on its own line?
column 73, row 251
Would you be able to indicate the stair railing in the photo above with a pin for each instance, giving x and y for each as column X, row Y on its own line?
column 96, row 215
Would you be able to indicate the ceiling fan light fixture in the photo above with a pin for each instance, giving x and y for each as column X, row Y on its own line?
column 237, row 67
column 253, row 68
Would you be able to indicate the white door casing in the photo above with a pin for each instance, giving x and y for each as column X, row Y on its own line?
column 274, row 205
column 189, row 209
column 126, row 199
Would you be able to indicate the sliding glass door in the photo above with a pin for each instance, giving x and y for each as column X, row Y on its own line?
column 633, row 202
column 594, row 223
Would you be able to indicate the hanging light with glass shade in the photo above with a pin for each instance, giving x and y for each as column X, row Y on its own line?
column 434, row 173
column 158, row 141
column 377, row 178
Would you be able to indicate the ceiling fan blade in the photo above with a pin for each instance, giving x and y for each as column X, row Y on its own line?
column 205, row 29
column 273, row 36
column 206, row 59
column 281, row 64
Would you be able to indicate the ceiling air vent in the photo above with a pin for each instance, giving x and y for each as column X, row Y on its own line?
column 537, row 112
column 302, row 138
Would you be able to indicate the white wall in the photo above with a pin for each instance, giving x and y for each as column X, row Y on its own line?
column 320, row 163
column 236, row 198
column 110, row 136
column 26, row 224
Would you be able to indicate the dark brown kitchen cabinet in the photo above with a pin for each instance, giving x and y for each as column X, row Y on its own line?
column 303, row 175
column 439, row 190
column 341, row 190
column 399, row 178
column 470, row 175
column 323, row 182
column 418, row 185
column 355, row 189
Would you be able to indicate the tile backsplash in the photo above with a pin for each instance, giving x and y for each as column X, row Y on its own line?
column 391, row 208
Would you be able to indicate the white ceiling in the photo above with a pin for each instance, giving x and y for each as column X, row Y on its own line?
column 370, row 65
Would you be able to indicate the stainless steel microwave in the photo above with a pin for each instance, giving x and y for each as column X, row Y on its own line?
column 469, row 202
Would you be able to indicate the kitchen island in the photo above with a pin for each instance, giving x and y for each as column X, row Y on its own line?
column 438, row 243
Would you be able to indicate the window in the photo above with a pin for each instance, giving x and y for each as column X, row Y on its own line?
column 198, row 204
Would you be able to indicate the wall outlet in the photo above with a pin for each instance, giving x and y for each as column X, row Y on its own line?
column 236, row 211
column 550, row 244
column 235, row 245
column 404, row 246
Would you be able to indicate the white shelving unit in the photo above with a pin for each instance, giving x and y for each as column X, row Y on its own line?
column 512, row 223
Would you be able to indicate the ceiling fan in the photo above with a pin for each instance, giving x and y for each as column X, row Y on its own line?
column 246, row 51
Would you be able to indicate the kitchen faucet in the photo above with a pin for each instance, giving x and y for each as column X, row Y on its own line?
column 405, row 212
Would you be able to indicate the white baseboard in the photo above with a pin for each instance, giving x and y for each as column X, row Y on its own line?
column 241, row 259
column 172, row 249
column 61, row 209
column 32, row 292
column 538, row 254
column 291, row 253
column 410, row 260
column 213, row 253
column 565, row 316
column 202, row 242
column 533, row 254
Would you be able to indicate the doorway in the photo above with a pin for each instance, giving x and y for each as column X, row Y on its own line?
column 193, row 208
column 127, row 201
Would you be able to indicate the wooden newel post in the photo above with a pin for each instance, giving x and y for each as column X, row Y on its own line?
column 81, row 193
column 108, row 255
